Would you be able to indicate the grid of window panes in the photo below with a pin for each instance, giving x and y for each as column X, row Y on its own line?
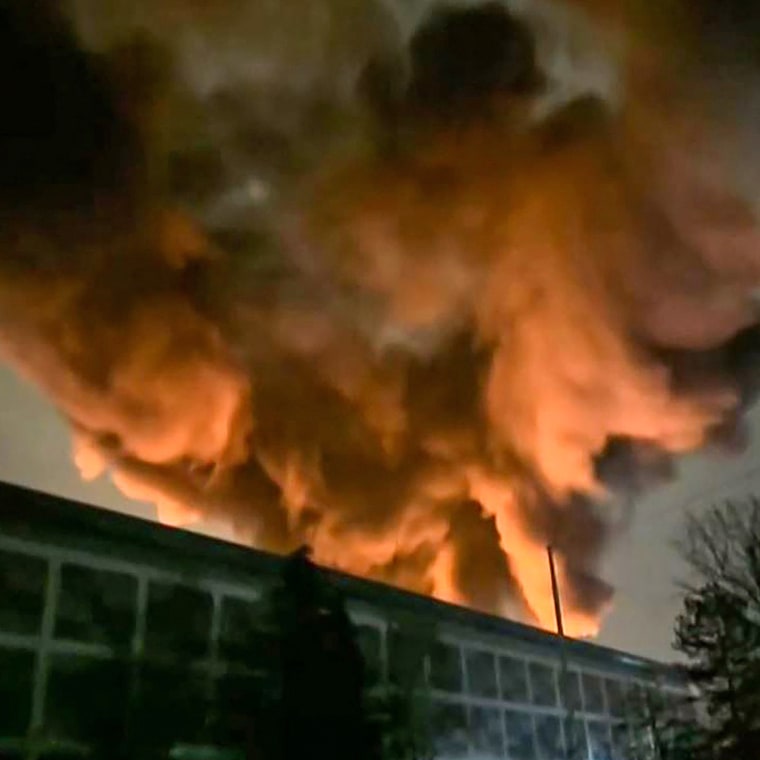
column 73, row 627
column 76, row 624
column 489, row 704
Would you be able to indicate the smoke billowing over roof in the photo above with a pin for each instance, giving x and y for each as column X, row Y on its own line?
column 419, row 288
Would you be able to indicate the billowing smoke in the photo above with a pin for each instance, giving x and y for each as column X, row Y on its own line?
column 417, row 287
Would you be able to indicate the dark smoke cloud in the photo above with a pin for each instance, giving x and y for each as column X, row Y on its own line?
column 417, row 289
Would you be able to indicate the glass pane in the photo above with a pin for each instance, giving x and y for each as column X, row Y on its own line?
column 241, row 702
column 615, row 698
column 549, row 738
column 449, row 727
column 671, row 703
column 481, row 674
column 635, row 704
column 593, row 696
column 178, row 621
column 242, row 635
column 513, row 676
column 96, row 606
column 445, row 667
column 575, row 736
column 486, row 732
column 621, row 741
column 406, row 657
column 653, row 700
column 543, row 685
column 599, row 739
column 369, row 638
column 171, row 707
column 22, row 592
column 520, row 741
column 639, row 740
column 571, row 689
column 17, row 669
column 86, row 700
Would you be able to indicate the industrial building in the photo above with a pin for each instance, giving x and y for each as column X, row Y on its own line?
column 94, row 603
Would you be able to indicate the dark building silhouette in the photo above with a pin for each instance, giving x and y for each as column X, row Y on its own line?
column 123, row 638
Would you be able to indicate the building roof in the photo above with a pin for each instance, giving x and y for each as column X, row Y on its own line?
column 37, row 516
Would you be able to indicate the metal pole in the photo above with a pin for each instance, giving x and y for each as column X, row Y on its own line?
column 563, row 673
column 555, row 594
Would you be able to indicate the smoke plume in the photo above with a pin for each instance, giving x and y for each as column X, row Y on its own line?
column 421, row 288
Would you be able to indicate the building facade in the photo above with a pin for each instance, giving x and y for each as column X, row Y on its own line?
column 95, row 605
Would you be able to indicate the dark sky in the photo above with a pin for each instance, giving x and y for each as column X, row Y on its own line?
column 641, row 562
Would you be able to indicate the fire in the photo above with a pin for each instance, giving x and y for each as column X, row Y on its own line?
column 337, row 288
column 169, row 511
column 528, row 558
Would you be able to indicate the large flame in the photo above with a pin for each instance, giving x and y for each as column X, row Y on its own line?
column 415, row 288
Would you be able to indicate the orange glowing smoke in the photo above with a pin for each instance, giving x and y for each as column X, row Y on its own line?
column 337, row 288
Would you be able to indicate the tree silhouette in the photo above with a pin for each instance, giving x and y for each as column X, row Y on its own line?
column 322, row 711
column 719, row 628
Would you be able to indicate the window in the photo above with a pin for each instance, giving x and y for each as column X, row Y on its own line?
column 178, row 621
column 621, row 741
column 242, row 636
column 543, row 685
column 481, row 674
column 86, row 699
column 449, row 728
column 486, row 734
column 635, row 701
column 445, row 667
column 549, row 738
column 171, row 706
column 639, row 739
column 369, row 638
column 653, row 699
column 672, row 702
column 575, row 736
column 513, row 679
column 615, row 698
column 22, row 592
column 96, row 606
column 520, row 741
column 593, row 696
column 406, row 654
column 572, row 691
column 241, row 702
column 17, row 669
column 599, row 739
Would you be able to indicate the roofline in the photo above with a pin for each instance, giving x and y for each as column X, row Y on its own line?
column 92, row 524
